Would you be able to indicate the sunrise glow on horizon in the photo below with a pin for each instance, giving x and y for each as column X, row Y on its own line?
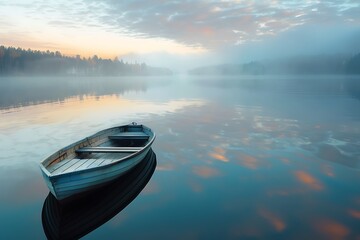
column 228, row 29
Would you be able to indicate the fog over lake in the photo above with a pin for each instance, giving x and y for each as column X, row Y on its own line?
column 255, row 106
column 248, row 156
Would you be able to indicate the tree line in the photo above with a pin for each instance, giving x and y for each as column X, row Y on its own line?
column 297, row 65
column 18, row 61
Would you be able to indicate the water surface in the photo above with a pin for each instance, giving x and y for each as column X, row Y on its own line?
column 237, row 157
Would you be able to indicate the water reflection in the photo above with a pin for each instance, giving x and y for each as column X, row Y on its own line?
column 25, row 91
column 247, row 136
column 261, row 174
column 274, row 220
column 309, row 180
column 331, row 229
column 334, row 85
column 75, row 218
column 269, row 158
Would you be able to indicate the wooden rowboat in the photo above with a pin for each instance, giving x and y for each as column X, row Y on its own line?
column 96, row 160
column 80, row 216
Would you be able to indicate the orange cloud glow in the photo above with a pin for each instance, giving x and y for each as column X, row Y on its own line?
column 354, row 213
column 248, row 161
column 278, row 224
column 219, row 154
column 165, row 167
column 208, row 31
column 332, row 230
column 206, row 172
column 89, row 42
column 89, row 107
column 309, row 180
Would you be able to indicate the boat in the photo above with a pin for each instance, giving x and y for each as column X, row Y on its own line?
column 96, row 160
column 75, row 219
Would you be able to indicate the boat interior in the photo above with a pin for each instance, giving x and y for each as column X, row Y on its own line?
column 100, row 149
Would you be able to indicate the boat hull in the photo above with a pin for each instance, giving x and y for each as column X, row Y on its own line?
column 63, row 186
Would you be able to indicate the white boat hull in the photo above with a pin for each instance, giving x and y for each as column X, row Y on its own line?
column 68, row 184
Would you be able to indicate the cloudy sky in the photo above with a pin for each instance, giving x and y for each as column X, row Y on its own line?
column 173, row 32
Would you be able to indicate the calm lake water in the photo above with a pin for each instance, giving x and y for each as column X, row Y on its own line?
column 236, row 157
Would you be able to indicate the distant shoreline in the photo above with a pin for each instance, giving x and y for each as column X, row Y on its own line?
column 21, row 62
column 300, row 65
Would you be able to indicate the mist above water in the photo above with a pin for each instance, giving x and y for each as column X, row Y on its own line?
column 279, row 140
column 309, row 44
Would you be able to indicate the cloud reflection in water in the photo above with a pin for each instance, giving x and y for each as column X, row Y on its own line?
column 278, row 224
column 255, row 158
column 236, row 166
column 206, row 171
column 309, row 180
column 331, row 229
column 219, row 154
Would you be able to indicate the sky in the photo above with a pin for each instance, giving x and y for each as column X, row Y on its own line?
column 182, row 33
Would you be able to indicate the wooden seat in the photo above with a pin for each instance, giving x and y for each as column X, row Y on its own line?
column 129, row 135
column 108, row 149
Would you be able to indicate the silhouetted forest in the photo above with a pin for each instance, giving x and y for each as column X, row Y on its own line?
column 319, row 64
column 18, row 61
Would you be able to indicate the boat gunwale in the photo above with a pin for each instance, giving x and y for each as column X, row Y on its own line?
column 116, row 161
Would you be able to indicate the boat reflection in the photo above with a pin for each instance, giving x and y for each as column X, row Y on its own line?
column 75, row 218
